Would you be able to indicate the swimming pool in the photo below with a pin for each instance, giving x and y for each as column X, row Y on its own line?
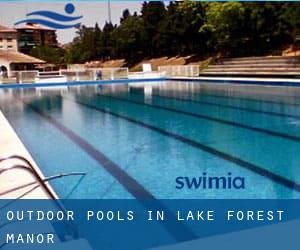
column 134, row 140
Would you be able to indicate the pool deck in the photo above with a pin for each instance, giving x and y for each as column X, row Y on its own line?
column 12, row 145
column 244, row 80
column 267, row 81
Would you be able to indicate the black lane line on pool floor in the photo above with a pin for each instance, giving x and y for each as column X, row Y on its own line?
column 131, row 185
column 244, row 164
column 235, row 124
column 178, row 230
column 272, row 113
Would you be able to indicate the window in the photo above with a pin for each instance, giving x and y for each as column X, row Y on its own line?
column 9, row 39
column 9, row 46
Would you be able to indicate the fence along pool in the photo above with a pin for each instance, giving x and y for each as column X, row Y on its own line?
column 66, row 75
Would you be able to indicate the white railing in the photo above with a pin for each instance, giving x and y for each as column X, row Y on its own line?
column 180, row 70
column 94, row 74
column 69, row 75
column 20, row 77
column 143, row 75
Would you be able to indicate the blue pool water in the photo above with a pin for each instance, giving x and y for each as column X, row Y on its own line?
column 134, row 140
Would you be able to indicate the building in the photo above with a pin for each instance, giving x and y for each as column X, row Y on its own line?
column 8, row 39
column 10, row 58
column 34, row 35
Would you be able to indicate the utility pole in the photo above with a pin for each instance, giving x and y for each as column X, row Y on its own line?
column 109, row 11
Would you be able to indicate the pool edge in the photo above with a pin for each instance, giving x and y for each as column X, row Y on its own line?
column 13, row 145
column 285, row 82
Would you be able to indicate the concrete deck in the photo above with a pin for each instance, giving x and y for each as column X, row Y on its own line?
column 241, row 79
column 10, row 144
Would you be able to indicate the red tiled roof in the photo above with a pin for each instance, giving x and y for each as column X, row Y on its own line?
column 17, row 57
column 33, row 26
column 6, row 29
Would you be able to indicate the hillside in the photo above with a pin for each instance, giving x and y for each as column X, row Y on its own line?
column 175, row 60
column 155, row 62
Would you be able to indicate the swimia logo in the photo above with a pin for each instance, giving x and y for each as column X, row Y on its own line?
column 54, row 20
column 210, row 182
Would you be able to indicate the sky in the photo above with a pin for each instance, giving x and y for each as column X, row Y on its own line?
column 92, row 12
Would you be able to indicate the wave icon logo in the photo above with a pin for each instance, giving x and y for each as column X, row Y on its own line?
column 54, row 20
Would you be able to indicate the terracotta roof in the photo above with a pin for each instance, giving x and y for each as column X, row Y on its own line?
column 33, row 26
column 17, row 57
column 6, row 29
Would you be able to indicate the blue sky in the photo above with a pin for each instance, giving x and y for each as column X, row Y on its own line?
column 92, row 11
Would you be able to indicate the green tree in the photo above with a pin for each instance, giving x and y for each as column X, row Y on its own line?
column 125, row 15
column 267, row 30
column 189, row 27
column 291, row 15
column 224, row 24
column 152, row 14
column 49, row 54
column 130, row 38
column 183, row 22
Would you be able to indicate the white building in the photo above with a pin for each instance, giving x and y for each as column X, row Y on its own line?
column 10, row 58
